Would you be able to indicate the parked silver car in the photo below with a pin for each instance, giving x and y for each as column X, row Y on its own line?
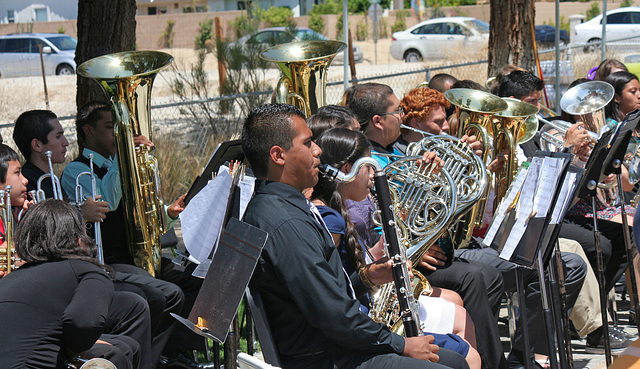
column 440, row 38
column 279, row 35
column 20, row 55
column 622, row 23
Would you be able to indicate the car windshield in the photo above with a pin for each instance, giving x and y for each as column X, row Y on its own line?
column 63, row 42
column 480, row 26
column 307, row 34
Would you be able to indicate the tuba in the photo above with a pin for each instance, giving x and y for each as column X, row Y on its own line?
column 514, row 125
column 304, row 65
column 127, row 79
column 7, row 248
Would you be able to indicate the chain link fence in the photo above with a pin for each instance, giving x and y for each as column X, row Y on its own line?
column 186, row 133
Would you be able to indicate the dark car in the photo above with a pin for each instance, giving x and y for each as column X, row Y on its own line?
column 546, row 35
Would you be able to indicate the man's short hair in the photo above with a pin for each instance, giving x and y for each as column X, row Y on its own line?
column 419, row 102
column 267, row 126
column 439, row 81
column 519, row 84
column 29, row 125
column 7, row 154
column 367, row 100
column 89, row 113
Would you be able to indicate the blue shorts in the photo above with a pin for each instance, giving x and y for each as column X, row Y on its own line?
column 452, row 342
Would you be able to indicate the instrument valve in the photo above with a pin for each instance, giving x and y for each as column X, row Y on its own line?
column 392, row 223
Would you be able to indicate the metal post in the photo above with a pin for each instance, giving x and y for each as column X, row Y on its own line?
column 600, row 271
column 345, row 36
column 548, row 317
column 603, row 45
column 557, row 41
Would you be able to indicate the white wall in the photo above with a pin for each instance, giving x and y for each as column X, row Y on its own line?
column 25, row 10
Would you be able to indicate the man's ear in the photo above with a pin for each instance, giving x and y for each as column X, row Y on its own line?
column 88, row 131
column 276, row 155
column 36, row 145
column 377, row 121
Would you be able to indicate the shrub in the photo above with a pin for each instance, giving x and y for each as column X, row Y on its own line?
column 362, row 31
column 205, row 32
column 244, row 25
column 400, row 24
column 327, row 7
column 626, row 3
column 166, row 38
column 593, row 11
column 316, row 23
column 278, row 17
column 61, row 30
column 383, row 28
column 339, row 25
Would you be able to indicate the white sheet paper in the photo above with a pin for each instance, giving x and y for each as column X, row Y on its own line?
column 548, row 180
column 500, row 214
column 202, row 219
column 568, row 187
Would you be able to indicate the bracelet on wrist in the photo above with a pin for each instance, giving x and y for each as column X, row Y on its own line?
column 365, row 279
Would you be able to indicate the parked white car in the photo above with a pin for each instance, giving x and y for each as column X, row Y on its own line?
column 279, row 35
column 20, row 55
column 440, row 38
column 621, row 23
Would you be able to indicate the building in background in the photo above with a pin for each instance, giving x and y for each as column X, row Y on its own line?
column 29, row 11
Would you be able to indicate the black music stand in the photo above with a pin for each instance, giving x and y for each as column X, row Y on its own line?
column 233, row 263
column 597, row 168
column 227, row 151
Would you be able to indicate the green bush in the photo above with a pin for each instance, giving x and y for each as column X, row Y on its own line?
column 166, row 38
column 316, row 23
column 383, row 28
column 564, row 24
column 244, row 25
column 61, row 30
column 339, row 26
column 361, row 31
column 437, row 12
column 327, row 7
column 205, row 32
column 278, row 17
column 626, row 3
column 593, row 11
column 400, row 24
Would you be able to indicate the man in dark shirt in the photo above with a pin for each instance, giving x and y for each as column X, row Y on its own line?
column 310, row 301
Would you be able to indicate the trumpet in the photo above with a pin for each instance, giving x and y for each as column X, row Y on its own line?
column 55, row 183
column 7, row 249
column 550, row 141
column 80, row 199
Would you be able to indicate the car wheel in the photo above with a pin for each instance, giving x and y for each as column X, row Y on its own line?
column 592, row 45
column 412, row 56
column 64, row 69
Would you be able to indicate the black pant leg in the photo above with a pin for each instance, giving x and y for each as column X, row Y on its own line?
column 182, row 338
column 468, row 281
column 173, row 297
column 123, row 352
column 129, row 317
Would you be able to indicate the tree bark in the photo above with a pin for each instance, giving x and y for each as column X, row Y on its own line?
column 104, row 27
column 511, row 34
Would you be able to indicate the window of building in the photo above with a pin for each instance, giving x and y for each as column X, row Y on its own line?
column 11, row 16
column 152, row 10
column 41, row 15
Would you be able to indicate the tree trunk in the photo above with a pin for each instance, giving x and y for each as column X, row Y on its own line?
column 104, row 27
column 511, row 34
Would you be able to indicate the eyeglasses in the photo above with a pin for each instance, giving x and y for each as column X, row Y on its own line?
column 399, row 111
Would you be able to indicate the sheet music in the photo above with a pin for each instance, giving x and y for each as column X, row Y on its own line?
column 525, row 208
column 548, row 180
column 503, row 207
column 202, row 218
column 565, row 196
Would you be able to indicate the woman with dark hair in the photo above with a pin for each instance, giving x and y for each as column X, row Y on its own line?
column 627, row 95
column 332, row 116
column 607, row 67
column 58, row 305
column 341, row 148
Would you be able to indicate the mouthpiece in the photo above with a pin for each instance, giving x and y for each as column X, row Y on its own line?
column 328, row 171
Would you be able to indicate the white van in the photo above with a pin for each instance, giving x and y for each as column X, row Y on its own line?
column 20, row 55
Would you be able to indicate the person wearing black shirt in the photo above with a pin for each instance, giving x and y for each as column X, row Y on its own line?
column 309, row 300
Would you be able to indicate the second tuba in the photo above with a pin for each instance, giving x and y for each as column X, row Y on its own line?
column 304, row 65
column 127, row 79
